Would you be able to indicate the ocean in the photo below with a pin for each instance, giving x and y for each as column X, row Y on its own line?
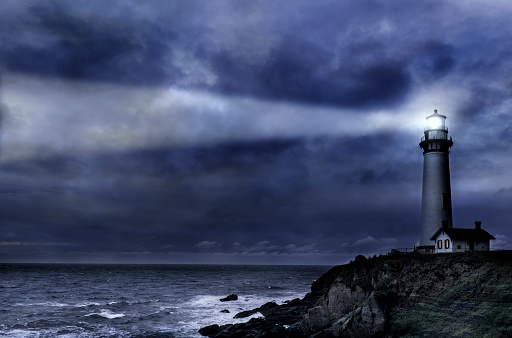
column 68, row 300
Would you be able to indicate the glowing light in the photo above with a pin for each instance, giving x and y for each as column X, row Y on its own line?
column 435, row 121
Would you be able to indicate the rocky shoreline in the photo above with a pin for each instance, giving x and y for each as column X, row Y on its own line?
column 418, row 295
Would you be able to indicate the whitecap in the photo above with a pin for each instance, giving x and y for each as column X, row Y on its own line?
column 87, row 304
column 105, row 314
column 169, row 308
column 208, row 300
column 20, row 333
column 55, row 304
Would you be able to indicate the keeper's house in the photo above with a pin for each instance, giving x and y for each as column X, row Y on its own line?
column 459, row 240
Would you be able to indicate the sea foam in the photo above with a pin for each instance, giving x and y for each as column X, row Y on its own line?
column 52, row 304
column 105, row 314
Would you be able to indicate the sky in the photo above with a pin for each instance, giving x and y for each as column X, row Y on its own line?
column 245, row 132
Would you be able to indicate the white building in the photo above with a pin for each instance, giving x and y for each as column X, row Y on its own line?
column 459, row 240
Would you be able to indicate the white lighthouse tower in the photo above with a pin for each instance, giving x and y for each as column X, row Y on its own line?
column 436, row 200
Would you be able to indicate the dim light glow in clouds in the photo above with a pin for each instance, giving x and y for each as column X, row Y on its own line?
column 64, row 116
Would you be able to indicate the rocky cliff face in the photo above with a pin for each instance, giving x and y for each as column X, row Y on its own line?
column 466, row 294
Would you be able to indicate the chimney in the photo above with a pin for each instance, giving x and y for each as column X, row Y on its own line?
column 478, row 225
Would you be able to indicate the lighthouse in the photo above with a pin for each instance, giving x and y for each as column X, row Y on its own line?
column 436, row 200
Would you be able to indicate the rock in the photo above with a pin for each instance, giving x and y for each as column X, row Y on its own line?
column 265, row 310
column 225, row 311
column 256, row 327
column 364, row 321
column 315, row 320
column 360, row 259
column 342, row 325
column 277, row 331
column 295, row 330
column 229, row 298
column 286, row 314
column 210, row 330
column 268, row 307
column 245, row 314
column 293, row 302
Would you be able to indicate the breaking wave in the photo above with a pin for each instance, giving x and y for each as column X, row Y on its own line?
column 105, row 314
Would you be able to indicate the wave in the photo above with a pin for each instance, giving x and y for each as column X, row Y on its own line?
column 9, row 286
column 52, row 304
column 169, row 309
column 80, row 330
column 209, row 300
column 87, row 304
column 105, row 314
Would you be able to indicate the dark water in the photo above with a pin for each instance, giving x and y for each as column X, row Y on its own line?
column 52, row 300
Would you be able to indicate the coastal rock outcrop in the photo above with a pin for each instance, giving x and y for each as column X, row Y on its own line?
column 389, row 296
column 229, row 298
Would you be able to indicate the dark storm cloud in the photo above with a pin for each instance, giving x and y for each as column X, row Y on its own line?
column 294, row 72
column 233, row 170
column 217, row 195
column 352, row 54
column 132, row 48
column 437, row 60
column 482, row 99
column 79, row 47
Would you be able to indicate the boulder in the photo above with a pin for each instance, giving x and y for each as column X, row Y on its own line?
column 316, row 319
column 265, row 309
column 210, row 330
column 245, row 314
column 231, row 297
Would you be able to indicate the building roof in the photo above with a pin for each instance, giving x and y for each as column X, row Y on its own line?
column 464, row 234
column 436, row 114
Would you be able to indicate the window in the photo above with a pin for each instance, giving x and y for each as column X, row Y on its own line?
column 447, row 244
column 458, row 247
column 439, row 244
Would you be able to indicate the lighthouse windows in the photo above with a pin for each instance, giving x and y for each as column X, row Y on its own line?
column 440, row 244
column 447, row 244
column 434, row 146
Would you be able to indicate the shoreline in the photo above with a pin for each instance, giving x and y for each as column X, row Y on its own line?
column 391, row 296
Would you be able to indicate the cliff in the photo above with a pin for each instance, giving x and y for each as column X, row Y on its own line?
column 448, row 295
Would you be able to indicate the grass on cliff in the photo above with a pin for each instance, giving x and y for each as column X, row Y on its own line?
column 479, row 305
column 459, row 319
